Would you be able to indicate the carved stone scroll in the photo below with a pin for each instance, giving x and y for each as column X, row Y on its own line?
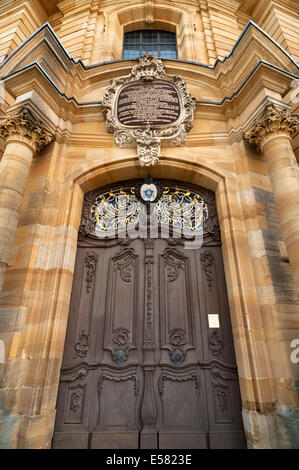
column 148, row 108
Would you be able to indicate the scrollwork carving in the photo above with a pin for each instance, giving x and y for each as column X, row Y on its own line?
column 149, row 292
column 177, row 340
column 87, row 223
column 90, row 262
column 75, row 404
column 207, row 261
column 148, row 150
column 79, row 373
column 215, row 343
column 164, row 376
column 120, row 341
column 177, row 337
column 118, row 379
column 174, row 263
column 82, row 346
column 148, row 140
column 222, row 400
column 125, row 265
column 217, row 372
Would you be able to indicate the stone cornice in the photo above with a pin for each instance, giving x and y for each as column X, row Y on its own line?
column 226, row 74
column 23, row 126
column 274, row 121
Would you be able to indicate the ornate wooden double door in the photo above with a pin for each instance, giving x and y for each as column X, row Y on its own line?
column 149, row 358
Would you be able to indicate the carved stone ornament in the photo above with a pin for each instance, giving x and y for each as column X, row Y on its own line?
column 23, row 125
column 148, row 108
column 274, row 120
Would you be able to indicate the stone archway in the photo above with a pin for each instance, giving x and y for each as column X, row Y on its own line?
column 53, row 308
column 237, row 262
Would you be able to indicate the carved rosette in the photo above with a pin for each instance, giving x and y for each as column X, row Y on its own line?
column 24, row 126
column 274, row 120
column 149, row 139
column 178, row 341
column 120, row 344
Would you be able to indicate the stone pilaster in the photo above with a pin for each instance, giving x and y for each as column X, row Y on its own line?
column 272, row 134
column 24, row 137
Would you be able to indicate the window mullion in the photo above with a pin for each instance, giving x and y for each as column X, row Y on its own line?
column 163, row 42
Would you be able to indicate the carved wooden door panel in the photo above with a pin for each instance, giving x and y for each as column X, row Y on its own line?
column 143, row 364
column 182, row 414
column 198, row 400
column 149, row 358
column 101, row 379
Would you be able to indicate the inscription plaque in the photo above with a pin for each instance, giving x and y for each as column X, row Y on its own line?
column 153, row 104
column 148, row 108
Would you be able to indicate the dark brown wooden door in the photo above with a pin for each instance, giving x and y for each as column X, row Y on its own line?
column 145, row 364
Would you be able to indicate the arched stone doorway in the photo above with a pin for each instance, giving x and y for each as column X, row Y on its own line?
column 149, row 359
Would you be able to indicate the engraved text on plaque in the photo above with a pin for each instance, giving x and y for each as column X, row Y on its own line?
column 152, row 104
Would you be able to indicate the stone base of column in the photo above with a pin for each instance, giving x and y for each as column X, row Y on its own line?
column 3, row 267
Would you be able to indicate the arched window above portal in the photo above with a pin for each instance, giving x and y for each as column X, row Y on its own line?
column 161, row 43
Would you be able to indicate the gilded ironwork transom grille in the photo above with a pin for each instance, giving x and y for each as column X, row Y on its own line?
column 177, row 207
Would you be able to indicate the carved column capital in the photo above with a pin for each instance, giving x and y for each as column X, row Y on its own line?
column 24, row 127
column 274, row 121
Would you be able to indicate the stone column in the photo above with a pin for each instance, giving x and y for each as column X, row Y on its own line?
column 272, row 134
column 24, row 136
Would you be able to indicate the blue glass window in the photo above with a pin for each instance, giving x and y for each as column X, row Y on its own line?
column 161, row 43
